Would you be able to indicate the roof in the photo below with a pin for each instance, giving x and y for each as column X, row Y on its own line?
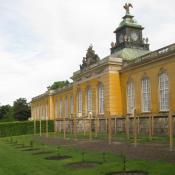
column 130, row 53
column 150, row 57
column 128, row 21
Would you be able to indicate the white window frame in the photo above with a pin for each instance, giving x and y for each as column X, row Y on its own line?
column 101, row 99
column 66, row 106
column 61, row 108
column 56, row 108
column 130, row 97
column 46, row 110
column 71, row 105
column 146, row 95
column 89, row 100
column 164, row 92
column 79, row 101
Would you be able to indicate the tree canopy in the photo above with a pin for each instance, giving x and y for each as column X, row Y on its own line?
column 21, row 109
column 59, row 84
column 5, row 111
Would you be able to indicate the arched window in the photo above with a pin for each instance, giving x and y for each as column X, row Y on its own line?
column 89, row 100
column 56, row 108
column 130, row 97
column 164, row 92
column 146, row 96
column 66, row 107
column 46, row 107
column 71, row 105
column 101, row 99
column 79, row 99
column 61, row 108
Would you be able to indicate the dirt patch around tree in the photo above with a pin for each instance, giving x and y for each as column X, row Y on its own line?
column 42, row 152
column 31, row 149
column 58, row 157
column 128, row 173
column 83, row 164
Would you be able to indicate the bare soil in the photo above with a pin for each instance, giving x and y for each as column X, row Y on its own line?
column 58, row 157
column 128, row 173
column 42, row 152
column 84, row 164
column 31, row 149
column 151, row 151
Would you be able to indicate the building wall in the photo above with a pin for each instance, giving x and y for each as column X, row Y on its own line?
column 115, row 92
column 152, row 71
column 112, row 98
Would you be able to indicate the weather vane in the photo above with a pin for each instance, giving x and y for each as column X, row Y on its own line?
column 126, row 7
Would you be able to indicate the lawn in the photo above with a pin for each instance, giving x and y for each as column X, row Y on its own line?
column 14, row 161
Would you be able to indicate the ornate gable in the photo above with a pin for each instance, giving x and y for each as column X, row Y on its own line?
column 91, row 58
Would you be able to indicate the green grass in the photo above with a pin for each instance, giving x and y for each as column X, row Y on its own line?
column 16, row 162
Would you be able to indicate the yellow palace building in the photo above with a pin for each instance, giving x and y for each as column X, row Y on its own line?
column 131, row 80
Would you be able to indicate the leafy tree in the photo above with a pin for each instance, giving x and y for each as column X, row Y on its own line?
column 4, row 111
column 21, row 110
column 59, row 84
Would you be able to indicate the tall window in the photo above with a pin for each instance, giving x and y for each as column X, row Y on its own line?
column 79, row 99
column 146, row 97
column 46, row 107
column 130, row 97
column 71, row 105
column 89, row 100
column 163, row 92
column 61, row 108
column 66, row 107
column 101, row 99
column 56, row 108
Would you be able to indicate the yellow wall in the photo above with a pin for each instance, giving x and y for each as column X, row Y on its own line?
column 115, row 88
column 152, row 71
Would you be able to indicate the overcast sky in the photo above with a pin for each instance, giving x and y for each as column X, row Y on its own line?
column 42, row 41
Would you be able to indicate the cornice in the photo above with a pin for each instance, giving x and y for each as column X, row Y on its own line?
column 155, row 56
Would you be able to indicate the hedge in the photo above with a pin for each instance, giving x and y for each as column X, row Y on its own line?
column 23, row 128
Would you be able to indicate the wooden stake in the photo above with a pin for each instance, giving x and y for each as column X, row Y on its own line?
column 106, row 120
column 84, row 126
column 170, row 117
column 138, row 125
column 64, row 123
column 109, row 129
column 150, row 127
column 75, row 126
column 55, row 127
column 90, row 126
column 46, row 127
column 96, row 126
column 127, row 126
column 115, row 124
column 135, row 128
column 34, row 126
column 40, row 127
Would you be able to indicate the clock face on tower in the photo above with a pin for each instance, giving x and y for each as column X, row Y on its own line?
column 134, row 36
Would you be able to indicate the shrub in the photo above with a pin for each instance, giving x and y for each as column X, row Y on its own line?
column 23, row 128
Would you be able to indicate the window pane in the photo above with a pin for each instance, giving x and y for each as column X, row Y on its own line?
column 101, row 99
column 146, row 95
column 164, row 92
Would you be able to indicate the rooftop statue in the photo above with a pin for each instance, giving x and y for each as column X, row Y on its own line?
column 91, row 58
column 126, row 7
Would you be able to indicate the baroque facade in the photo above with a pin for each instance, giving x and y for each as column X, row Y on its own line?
column 131, row 78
